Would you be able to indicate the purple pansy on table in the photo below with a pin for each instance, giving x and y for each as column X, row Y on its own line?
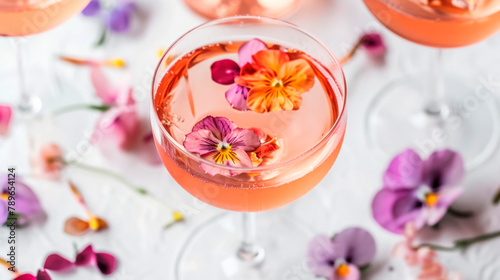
column 418, row 191
column 118, row 19
column 225, row 71
column 28, row 206
column 343, row 256
column 219, row 140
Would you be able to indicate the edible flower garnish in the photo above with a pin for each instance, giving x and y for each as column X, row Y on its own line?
column 452, row 5
column 217, row 139
column 276, row 83
column 224, row 71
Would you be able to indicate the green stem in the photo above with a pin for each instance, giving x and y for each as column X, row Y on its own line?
column 496, row 198
column 460, row 214
column 462, row 243
column 102, row 108
column 109, row 173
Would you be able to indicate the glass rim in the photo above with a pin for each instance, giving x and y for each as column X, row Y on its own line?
column 306, row 153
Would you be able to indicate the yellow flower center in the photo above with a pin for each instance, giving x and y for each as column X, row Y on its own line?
column 5, row 196
column 431, row 199
column 342, row 270
column 277, row 83
column 94, row 224
column 225, row 154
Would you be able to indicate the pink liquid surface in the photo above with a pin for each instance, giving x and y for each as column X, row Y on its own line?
column 296, row 131
column 28, row 17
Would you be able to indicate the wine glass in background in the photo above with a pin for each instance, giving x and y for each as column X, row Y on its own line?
column 19, row 18
column 436, row 110
column 186, row 97
column 224, row 8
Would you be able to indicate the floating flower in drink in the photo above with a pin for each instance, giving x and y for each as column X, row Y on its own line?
column 418, row 191
column 342, row 257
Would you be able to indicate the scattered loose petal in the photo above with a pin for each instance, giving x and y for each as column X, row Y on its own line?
column 113, row 62
column 106, row 263
column 26, row 277
column 85, row 257
column 42, row 275
column 110, row 94
column 76, row 226
column 374, row 44
column 5, row 118
column 48, row 162
column 57, row 263
column 27, row 204
column 119, row 19
column 92, row 8
column 117, row 127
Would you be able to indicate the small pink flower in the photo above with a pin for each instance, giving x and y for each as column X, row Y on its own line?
column 117, row 127
column 110, row 94
column 404, row 249
column 48, row 162
column 219, row 140
column 5, row 118
column 374, row 45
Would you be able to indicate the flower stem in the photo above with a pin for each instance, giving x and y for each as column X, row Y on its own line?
column 460, row 214
column 351, row 53
column 102, row 108
column 462, row 243
column 496, row 198
column 5, row 264
column 109, row 173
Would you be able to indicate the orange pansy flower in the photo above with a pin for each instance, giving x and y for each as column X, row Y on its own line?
column 276, row 83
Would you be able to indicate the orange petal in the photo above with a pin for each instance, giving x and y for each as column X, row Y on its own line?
column 269, row 99
column 76, row 226
column 297, row 74
column 267, row 148
column 250, row 79
column 97, row 224
column 271, row 59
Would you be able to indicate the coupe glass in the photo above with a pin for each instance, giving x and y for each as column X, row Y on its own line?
column 224, row 8
column 436, row 110
column 19, row 18
column 216, row 250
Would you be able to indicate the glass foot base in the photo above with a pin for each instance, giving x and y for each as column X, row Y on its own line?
column 211, row 251
column 398, row 118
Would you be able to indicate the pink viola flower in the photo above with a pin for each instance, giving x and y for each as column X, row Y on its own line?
column 343, row 256
column 374, row 44
column 5, row 118
column 225, row 71
column 418, row 191
column 48, row 162
column 218, row 140
column 28, row 206
column 111, row 95
column 106, row 263
column 117, row 127
column 405, row 249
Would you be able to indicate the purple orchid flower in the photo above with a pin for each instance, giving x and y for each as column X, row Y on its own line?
column 120, row 17
column 374, row 44
column 106, row 263
column 225, row 71
column 217, row 139
column 418, row 191
column 92, row 8
column 27, row 204
column 341, row 257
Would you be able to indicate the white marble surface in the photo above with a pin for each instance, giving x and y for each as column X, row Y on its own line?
column 135, row 234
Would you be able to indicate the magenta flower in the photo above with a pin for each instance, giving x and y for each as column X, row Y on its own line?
column 105, row 262
column 341, row 257
column 217, row 139
column 41, row 275
column 374, row 44
column 418, row 191
column 5, row 118
column 28, row 206
column 225, row 71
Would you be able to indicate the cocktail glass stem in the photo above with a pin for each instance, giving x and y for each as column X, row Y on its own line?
column 29, row 103
column 249, row 252
column 436, row 105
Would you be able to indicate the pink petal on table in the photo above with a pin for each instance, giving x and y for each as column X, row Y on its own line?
column 57, row 263
column 25, row 277
column 117, row 127
column 76, row 226
column 85, row 257
column 104, row 89
column 106, row 263
column 42, row 275
column 5, row 118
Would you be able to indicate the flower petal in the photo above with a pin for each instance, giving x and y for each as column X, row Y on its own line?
column 103, row 88
column 47, row 162
column 359, row 245
column 224, row 71
column 92, row 8
column 404, row 171
column 241, row 159
column 433, row 215
column 448, row 195
column 25, row 277
column 248, row 49
column 322, row 254
column 4, row 213
column 57, row 263
column 117, row 127
column 244, row 139
column 298, row 75
column 42, row 275
column 444, row 167
column 5, row 118
column 120, row 17
column 27, row 202
column 85, row 257
column 374, row 44
column 237, row 95
column 354, row 274
column 106, row 263
column 219, row 126
column 271, row 59
column 391, row 218
column 75, row 226
column 263, row 99
column 201, row 142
